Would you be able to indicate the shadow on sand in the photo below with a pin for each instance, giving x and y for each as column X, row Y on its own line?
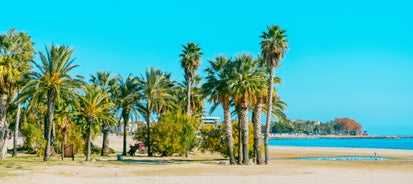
column 165, row 161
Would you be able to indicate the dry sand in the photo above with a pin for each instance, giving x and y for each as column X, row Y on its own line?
column 206, row 168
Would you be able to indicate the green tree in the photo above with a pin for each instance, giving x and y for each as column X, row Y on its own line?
column 33, row 116
column 212, row 139
column 16, row 51
column 175, row 133
column 156, row 95
column 94, row 107
column 246, row 82
column 127, row 97
column 197, row 97
column 63, row 121
column 257, row 108
column 217, row 90
column 51, row 77
column 273, row 48
column 107, row 84
column 190, row 61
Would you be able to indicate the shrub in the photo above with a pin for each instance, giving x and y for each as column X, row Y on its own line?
column 175, row 133
column 33, row 139
column 213, row 139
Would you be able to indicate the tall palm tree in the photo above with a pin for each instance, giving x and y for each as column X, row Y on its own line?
column 246, row 81
column 278, row 109
column 105, row 83
column 216, row 87
column 197, row 96
column 51, row 77
column 94, row 107
column 16, row 51
column 273, row 48
column 127, row 97
column 190, row 61
column 257, row 108
column 156, row 90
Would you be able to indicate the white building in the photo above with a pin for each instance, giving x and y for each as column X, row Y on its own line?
column 211, row 120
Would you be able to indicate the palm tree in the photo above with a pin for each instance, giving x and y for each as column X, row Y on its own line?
column 278, row 109
column 105, row 83
column 273, row 48
column 52, row 79
column 257, row 112
column 197, row 96
column 16, row 51
column 127, row 97
column 190, row 61
column 156, row 90
column 216, row 87
column 246, row 81
column 258, row 107
column 94, row 107
column 64, row 119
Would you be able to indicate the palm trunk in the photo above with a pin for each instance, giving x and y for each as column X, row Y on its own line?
column 228, row 132
column 256, row 120
column 50, row 111
column 64, row 143
column 105, row 141
column 125, row 123
column 16, row 131
column 148, row 132
column 89, row 141
column 3, row 126
column 239, row 137
column 188, row 105
column 268, row 120
column 244, row 130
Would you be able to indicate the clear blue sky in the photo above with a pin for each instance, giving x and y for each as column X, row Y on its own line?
column 347, row 58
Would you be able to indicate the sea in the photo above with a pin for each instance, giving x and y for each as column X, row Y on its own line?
column 385, row 143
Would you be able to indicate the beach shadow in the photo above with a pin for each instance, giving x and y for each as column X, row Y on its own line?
column 165, row 161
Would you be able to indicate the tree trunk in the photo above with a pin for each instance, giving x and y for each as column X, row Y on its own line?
column 105, row 142
column 3, row 125
column 89, row 141
column 239, row 137
column 244, row 130
column 16, row 131
column 50, row 111
column 64, row 143
column 256, row 120
column 188, row 105
column 125, row 133
column 228, row 132
column 268, row 120
column 148, row 132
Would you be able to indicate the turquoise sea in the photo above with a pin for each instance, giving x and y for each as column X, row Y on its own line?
column 394, row 143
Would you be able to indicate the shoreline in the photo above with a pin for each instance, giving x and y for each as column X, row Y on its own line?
column 335, row 137
column 298, row 151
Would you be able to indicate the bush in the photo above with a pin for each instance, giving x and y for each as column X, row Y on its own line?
column 175, row 133
column 213, row 139
column 33, row 142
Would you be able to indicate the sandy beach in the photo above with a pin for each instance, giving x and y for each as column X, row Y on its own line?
column 206, row 168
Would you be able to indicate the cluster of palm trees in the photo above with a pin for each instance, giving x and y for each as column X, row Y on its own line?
column 48, row 91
